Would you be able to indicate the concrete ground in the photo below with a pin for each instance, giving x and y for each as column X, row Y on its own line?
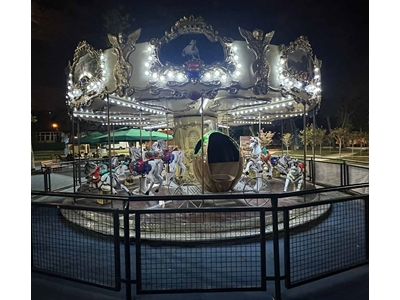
column 350, row 285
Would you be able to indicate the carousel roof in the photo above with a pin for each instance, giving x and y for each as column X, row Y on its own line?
column 255, row 81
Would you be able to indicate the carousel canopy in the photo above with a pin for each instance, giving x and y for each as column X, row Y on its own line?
column 143, row 83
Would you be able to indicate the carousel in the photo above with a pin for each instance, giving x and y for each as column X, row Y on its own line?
column 198, row 83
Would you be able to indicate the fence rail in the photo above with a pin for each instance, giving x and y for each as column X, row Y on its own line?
column 206, row 250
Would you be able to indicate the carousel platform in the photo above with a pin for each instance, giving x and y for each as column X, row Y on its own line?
column 193, row 226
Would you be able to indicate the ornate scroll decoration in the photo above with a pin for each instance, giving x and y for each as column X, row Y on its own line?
column 123, row 69
column 195, row 70
column 86, row 76
column 259, row 45
column 193, row 25
column 301, row 43
column 302, row 83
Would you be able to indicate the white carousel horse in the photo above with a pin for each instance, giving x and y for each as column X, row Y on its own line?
column 177, row 160
column 159, row 155
column 122, row 171
column 282, row 164
column 255, row 163
column 100, row 179
column 294, row 175
column 149, row 168
column 132, row 150
column 174, row 158
column 191, row 50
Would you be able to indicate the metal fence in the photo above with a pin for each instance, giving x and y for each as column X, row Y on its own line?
column 205, row 250
column 337, row 244
column 63, row 250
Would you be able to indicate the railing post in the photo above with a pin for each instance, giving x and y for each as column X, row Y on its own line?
column 127, row 245
column 117, row 252
column 263, row 249
column 313, row 171
column 366, row 208
column 342, row 174
column 48, row 171
column 277, row 273
column 138, row 254
column 45, row 180
column 286, row 245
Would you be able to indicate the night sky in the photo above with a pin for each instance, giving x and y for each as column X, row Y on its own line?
column 337, row 31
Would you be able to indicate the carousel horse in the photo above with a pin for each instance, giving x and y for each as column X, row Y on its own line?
column 148, row 167
column 177, row 160
column 160, row 146
column 266, row 158
column 161, row 154
column 294, row 175
column 174, row 158
column 255, row 163
column 281, row 163
column 132, row 150
column 191, row 50
column 100, row 178
column 122, row 170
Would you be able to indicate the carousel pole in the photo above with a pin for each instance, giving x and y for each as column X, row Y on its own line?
column 305, row 148
column 202, row 146
column 141, row 149
column 313, row 165
column 140, row 130
column 79, row 153
column 73, row 153
column 108, row 132
column 167, row 169
column 109, row 145
column 113, row 131
column 259, row 123
column 282, row 136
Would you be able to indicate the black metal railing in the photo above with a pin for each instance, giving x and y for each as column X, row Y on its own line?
column 204, row 250
column 333, row 172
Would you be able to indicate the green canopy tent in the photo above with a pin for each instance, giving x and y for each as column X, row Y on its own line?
column 132, row 135
column 90, row 138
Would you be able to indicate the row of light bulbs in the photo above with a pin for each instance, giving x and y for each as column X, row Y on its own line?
column 181, row 77
column 249, row 122
column 270, row 106
column 288, row 83
column 127, row 102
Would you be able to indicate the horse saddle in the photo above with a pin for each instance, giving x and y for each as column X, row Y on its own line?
column 96, row 176
column 102, row 172
column 142, row 167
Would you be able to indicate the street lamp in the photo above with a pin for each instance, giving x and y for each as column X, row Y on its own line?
column 55, row 126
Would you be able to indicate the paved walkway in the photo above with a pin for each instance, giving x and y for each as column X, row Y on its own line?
column 350, row 285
